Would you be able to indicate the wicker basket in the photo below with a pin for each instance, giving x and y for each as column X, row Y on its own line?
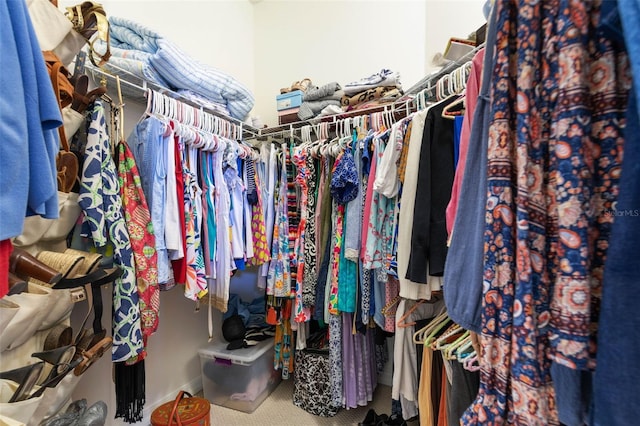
column 182, row 411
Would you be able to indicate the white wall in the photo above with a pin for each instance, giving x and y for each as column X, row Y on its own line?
column 449, row 18
column 330, row 41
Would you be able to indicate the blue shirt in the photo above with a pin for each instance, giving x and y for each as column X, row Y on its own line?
column 30, row 115
column 149, row 144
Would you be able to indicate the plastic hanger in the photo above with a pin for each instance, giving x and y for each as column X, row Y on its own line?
column 472, row 363
column 461, row 340
column 447, row 111
column 447, row 338
column 402, row 321
column 436, row 330
column 465, row 349
column 435, row 327
column 420, row 336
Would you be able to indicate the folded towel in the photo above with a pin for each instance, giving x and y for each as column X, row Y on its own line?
column 311, row 109
column 317, row 93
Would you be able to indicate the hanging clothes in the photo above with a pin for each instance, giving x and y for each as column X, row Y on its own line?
column 540, row 304
column 380, row 225
column 405, row 372
column 345, row 186
column 472, row 90
column 433, row 192
column 464, row 268
column 219, row 286
column 302, row 312
column 261, row 253
column 408, row 288
column 209, row 232
column 140, row 228
column 149, row 141
column 104, row 223
column 30, row 118
column 195, row 283
column 310, row 253
column 279, row 278
column 267, row 170
column 619, row 323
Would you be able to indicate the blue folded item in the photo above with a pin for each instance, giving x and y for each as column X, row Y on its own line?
column 148, row 55
column 253, row 313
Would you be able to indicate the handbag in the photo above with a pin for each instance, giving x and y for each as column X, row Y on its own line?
column 311, row 385
column 182, row 411
column 35, row 305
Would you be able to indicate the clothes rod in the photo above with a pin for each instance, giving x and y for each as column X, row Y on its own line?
column 446, row 69
column 142, row 90
column 393, row 108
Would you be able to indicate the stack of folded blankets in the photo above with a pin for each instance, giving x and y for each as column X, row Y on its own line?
column 319, row 101
column 378, row 89
column 146, row 54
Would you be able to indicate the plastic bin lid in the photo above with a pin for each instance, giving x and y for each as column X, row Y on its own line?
column 244, row 355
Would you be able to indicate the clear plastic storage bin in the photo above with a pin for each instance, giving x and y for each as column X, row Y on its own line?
column 240, row 379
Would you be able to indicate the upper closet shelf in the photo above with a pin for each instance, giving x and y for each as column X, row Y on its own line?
column 135, row 88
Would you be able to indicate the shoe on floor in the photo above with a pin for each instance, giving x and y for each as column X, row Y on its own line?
column 373, row 419
column 395, row 420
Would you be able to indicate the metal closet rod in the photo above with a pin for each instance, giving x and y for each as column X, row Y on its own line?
column 404, row 105
column 427, row 82
column 248, row 131
column 403, row 109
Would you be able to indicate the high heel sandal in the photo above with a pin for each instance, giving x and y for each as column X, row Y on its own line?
column 91, row 344
column 26, row 377
column 59, row 359
column 16, row 284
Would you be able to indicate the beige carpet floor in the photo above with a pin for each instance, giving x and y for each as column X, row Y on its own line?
column 278, row 410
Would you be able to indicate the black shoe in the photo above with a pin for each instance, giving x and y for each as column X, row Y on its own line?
column 373, row 419
column 395, row 420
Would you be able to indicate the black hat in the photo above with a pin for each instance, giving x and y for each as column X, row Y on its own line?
column 233, row 331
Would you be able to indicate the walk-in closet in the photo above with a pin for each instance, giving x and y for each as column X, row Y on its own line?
column 265, row 212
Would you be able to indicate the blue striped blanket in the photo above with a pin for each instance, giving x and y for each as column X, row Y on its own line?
column 152, row 57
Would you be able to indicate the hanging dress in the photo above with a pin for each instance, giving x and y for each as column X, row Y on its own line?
column 196, row 283
column 553, row 168
column 220, row 284
column 302, row 313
